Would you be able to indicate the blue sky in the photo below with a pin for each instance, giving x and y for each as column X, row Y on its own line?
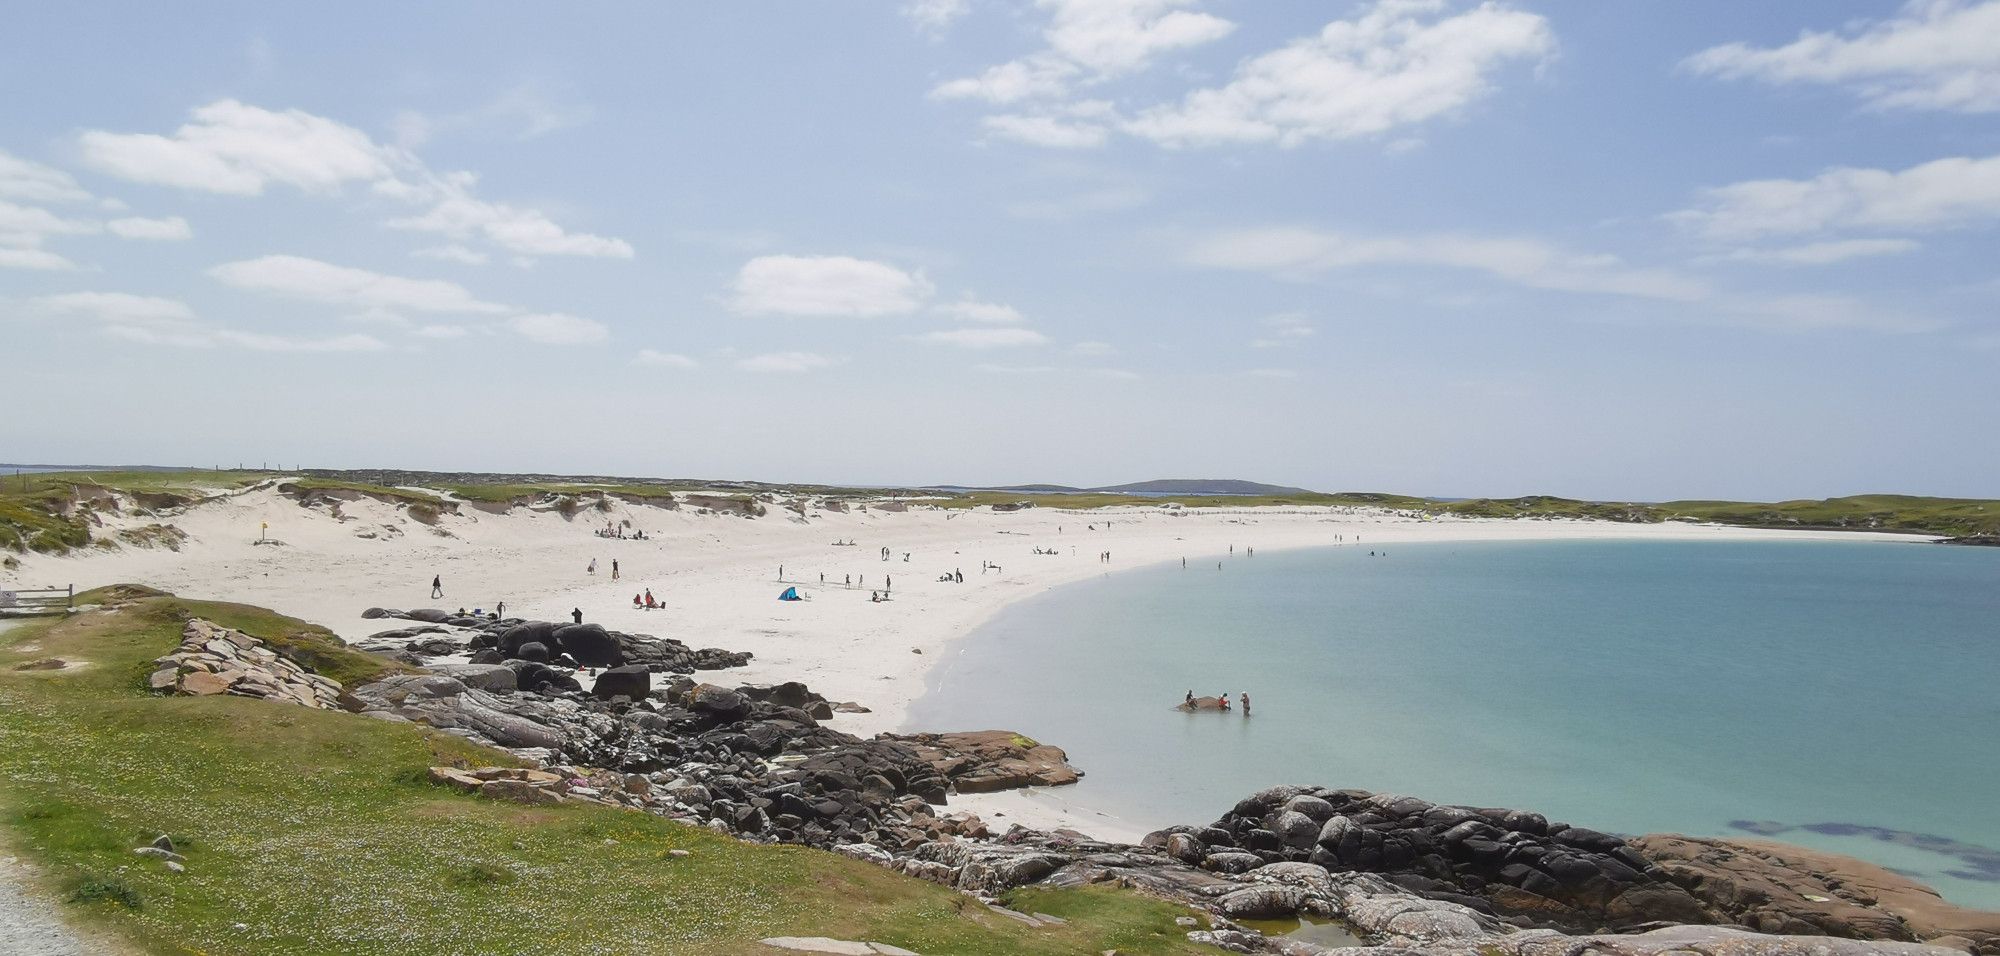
column 1637, row 250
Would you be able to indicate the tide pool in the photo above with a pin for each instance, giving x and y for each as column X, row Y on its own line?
column 1841, row 695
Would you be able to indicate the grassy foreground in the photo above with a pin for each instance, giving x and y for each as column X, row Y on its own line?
column 318, row 833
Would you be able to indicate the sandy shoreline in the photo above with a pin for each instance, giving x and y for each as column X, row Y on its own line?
column 719, row 578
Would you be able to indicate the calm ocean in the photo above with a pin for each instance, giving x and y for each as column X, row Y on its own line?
column 1842, row 695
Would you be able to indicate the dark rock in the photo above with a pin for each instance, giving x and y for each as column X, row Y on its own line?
column 633, row 682
column 590, row 644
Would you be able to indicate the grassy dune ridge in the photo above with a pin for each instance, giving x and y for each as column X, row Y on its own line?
column 318, row 832
column 56, row 512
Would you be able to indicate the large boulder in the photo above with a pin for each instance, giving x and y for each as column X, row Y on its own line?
column 590, row 644
column 983, row 761
column 526, row 632
column 494, row 678
column 1266, row 901
column 718, row 703
column 632, row 681
column 446, row 703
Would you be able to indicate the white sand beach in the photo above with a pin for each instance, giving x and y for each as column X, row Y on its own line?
column 718, row 577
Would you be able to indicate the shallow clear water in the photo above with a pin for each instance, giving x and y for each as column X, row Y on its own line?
column 1632, row 686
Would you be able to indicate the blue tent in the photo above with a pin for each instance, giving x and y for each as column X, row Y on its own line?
column 791, row 594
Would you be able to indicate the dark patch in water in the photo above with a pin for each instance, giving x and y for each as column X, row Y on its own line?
column 1983, row 863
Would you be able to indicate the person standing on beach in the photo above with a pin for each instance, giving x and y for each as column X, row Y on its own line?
column 614, row 569
column 576, row 614
column 1246, row 703
column 437, row 587
column 593, row 567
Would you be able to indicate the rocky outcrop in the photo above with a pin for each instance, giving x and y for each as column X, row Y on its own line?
column 586, row 645
column 213, row 659
column 1777, row 888
column 1506, row 863
column 982, row 761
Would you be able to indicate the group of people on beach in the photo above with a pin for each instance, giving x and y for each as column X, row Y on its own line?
column 646, row 601
column 617, row 531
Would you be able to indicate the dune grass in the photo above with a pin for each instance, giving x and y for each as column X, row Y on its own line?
column 316, row 832
column 39, row 512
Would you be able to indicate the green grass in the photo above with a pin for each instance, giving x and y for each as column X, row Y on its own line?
column 319, row 834
column 383, row 492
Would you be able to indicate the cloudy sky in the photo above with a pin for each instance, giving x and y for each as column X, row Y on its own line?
column 1637, row 250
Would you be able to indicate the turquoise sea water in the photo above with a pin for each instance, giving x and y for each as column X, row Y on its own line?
column 1843, row 695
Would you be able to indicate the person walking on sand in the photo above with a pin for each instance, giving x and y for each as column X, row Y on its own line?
column 1246, row 703
column 593, row 567
column 614, row 569
column 437, row 587
column 576, row 614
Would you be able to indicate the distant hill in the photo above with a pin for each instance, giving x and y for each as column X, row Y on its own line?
column 1159, row 486
column 1201, row 486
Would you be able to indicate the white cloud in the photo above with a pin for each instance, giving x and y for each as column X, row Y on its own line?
column 172, row 228
column 973, row 310
column 34, row 182
column 1937, row 55
column 232, row 147
column 24, row 226
column 237, row 149
column 22, row 230
column 1298, row 252
column 786, row 362
column 1809, row 313
column 1119, row 374
column 1093, row 348
column 1091, row 40
column 458, row 214
column 659, row 359
column 827, row 286
column 452, row 253
column 40, row 259
column 1283, row 329
column 1944, row 192
column 1826, row 253
column 1396, row 64
column 935, row 16
column 303, row 278
column 259, row 342
column 114, row 307
column 1052, row 132
column 990, row 338
column 152, row 320
column 442, row 332
column 556, row 328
